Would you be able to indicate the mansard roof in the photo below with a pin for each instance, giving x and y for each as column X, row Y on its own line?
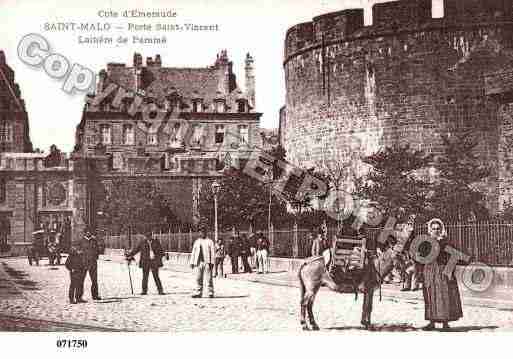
column 208, row 83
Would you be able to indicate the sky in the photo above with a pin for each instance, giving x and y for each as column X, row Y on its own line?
column 256, row 26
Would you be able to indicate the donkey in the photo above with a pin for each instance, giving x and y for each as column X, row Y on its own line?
column 313, row 275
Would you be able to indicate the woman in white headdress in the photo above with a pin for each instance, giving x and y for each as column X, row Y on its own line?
column 441, row 295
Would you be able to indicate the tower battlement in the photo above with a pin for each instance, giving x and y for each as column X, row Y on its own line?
column 390, row 18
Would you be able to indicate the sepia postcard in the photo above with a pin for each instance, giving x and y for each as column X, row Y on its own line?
column 205, row 167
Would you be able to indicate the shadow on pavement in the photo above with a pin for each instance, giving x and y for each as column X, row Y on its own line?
column 470, row 328
column 229, row 297
column 117, row 299
column 402, row 327
column 108, row 301
column 177, row 293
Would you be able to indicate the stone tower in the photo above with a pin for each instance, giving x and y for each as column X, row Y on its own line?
column 408, row 78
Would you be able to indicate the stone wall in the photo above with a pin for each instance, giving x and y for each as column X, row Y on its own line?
column 403, row 81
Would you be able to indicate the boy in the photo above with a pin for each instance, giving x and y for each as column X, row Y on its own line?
column 219, row 259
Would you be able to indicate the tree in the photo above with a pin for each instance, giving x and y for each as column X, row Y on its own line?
column 242, row 200
column 278, row 153
column 133, row 205
column 456, row 195
column 393, row 183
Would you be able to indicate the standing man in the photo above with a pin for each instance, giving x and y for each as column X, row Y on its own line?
column 262, row 253
column 150, row 259
column 202, row 262
column 252, row 251
column 245, row 253
column 233, row 252
column 319, row 245
column 75, row 263
column 91, row 251
column 53, row 248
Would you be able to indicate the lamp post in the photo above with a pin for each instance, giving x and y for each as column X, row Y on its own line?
column 215, row 190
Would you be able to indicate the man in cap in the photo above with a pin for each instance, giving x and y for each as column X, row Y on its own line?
column 202, row 262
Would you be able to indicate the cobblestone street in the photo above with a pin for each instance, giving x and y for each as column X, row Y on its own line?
column 35, row 298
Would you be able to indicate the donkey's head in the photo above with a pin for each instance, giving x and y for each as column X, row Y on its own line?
column 402, row 234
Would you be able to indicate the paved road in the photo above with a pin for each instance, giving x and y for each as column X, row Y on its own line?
column 35, row 298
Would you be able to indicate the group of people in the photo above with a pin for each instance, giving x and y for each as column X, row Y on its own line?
column 46, row 243
column 252, row 251
column 83, row 259
column 206, row 260
column 440, row 289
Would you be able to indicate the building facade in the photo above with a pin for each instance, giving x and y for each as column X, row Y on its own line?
column 14, row 126
column 178, row 127
column 408, row 78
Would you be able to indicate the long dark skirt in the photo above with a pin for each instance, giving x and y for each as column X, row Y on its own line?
column 441, row 295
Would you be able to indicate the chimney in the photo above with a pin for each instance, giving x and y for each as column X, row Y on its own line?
column 224, row 72
column 137, row 60
column 101, row 81
column 250, row 79
column 2, row 58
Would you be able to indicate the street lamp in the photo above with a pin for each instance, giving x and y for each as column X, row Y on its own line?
column 215, row 190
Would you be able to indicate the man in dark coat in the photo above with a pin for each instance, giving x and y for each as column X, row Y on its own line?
column 76, row 265
column 262, row 247
column 150, row 259
column 245, row 252
column 234, row 252
column 91, row 250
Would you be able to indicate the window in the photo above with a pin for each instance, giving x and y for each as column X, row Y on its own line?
column 153, row 138
column 219, row 106
column 243, row 134
column 197, row 106
column 128, row 135
column 6, row 134
column 241, row 106
column 219, row 134
column 175, row 139
column 117, row 161
column 197, row 138
column 106, row 134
